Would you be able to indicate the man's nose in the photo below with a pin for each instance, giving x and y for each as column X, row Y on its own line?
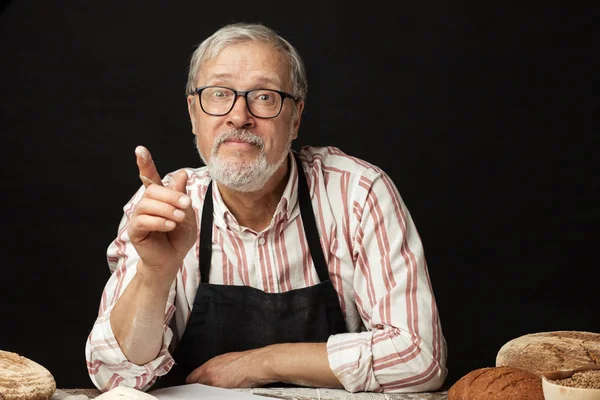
column 240, row 115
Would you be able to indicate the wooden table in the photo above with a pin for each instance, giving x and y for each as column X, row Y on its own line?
column 284, row 394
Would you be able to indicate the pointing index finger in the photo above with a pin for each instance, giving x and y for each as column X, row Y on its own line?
column 146, row 181
column 146, row 166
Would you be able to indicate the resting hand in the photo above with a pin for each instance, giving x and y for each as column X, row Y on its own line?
column 163, row 225
column 232, row 370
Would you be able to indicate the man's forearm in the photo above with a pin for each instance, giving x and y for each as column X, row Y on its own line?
column 304, row 364
column 137, row 320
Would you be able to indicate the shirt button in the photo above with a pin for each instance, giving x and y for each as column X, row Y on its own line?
column 261, row 241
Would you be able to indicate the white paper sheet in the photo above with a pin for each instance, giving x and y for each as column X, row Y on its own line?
column 199, row 391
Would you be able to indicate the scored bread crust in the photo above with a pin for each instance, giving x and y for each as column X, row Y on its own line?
column 497, row 383
column 24, row 379
column 547, row 351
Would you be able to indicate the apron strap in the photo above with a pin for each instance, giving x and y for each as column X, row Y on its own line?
column 206, row 228
column 310, row 224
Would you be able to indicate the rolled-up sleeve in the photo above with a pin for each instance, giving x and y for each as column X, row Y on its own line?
column 107, row 365
column 403, row 348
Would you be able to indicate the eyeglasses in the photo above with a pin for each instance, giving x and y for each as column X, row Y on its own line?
column 262, row 103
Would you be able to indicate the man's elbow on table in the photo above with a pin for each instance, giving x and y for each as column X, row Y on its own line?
column 106, row 381
column 429, row 380
column 108, row 369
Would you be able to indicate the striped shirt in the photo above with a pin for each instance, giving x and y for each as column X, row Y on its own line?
column 375, row 259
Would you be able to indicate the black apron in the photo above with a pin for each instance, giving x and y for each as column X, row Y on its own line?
column 228, row 318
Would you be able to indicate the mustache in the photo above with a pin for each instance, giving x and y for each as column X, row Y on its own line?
column 241, row 135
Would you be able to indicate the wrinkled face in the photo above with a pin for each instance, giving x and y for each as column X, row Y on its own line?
column 241, row 150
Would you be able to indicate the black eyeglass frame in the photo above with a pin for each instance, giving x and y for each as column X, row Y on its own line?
column 244, row 93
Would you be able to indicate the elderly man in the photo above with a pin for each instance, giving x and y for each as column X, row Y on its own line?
column 268, row 265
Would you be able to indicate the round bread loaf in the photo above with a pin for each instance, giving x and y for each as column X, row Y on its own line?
column 497, row 383
column 24, row 379
column 547, row 351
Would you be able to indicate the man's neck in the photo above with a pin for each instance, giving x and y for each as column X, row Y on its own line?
column 255, row 210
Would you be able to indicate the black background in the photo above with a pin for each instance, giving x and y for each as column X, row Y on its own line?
column 484, row 116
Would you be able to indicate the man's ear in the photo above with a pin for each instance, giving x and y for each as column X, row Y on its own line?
column 299, row 109
column 190, row 104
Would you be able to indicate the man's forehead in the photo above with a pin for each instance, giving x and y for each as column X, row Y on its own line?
column 253, row 62
column 255, row 76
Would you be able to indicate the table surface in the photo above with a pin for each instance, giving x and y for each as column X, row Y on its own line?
column 285, row 394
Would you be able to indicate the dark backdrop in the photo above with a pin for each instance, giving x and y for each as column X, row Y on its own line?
column 483, row 116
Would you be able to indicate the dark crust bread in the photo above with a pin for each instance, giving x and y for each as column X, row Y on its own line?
column 497, row 383
column 547, row 351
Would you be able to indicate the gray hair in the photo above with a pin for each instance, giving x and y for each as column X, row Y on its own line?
column 245, row 32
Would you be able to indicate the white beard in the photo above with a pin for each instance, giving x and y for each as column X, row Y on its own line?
column 240, row 175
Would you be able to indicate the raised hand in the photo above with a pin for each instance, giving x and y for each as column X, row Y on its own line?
column 163, row 225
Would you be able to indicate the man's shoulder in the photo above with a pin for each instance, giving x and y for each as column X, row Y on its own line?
column 333, row 159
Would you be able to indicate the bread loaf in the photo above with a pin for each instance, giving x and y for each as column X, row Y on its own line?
column 497, row 383
column 24, row 379
column 547, row 351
